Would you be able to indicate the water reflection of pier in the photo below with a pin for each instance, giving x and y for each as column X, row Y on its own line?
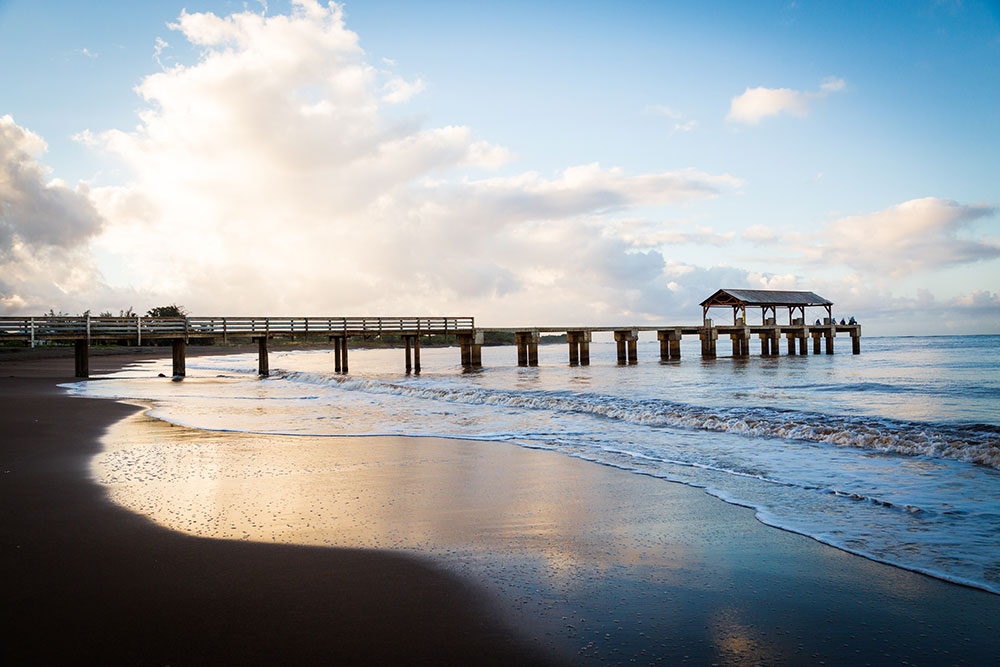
column 84, row 331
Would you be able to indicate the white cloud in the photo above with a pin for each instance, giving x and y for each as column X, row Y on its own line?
column 45, row 227
column 833, row 84
column 398, row 90
column 755, row 104
column 916, row 235
column 33, row 210
column 266, row 177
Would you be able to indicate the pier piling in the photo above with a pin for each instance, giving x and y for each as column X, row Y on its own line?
column 527, row 347
column 262, row 362
column 627, row 340
column 412, row 344
column 471, row 345
column 180, row 369
column 339, row 353
column 708, row 335
column 579, row 347
column 82, row 354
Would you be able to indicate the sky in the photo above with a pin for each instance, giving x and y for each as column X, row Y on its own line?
column 536, row 164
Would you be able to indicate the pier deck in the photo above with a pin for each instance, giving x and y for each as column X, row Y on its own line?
column 179, row 330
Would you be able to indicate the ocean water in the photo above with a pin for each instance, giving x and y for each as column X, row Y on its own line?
column 893, row 454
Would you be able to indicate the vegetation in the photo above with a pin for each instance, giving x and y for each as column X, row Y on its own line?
column 121, row 313
column 173, row 310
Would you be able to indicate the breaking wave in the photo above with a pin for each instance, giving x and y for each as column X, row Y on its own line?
column 972, row 443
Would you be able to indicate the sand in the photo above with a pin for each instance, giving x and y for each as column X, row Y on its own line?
column 426, row 549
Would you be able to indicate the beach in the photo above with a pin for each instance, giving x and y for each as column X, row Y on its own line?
column 433, row 550
column 88, row 582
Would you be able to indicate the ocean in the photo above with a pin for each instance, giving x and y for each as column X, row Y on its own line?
column 893, row 454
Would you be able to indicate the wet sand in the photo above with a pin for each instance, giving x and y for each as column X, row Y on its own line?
column 579, row 559
column 88, row 582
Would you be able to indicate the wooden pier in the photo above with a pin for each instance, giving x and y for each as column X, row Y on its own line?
column 84, row 331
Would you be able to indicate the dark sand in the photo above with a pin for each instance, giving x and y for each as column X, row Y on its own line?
column 601, row 564
column 87, row 582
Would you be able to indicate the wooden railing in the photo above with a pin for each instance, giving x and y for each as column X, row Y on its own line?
column 55, row 328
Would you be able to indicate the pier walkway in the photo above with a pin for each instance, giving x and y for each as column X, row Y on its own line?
column 84, row 331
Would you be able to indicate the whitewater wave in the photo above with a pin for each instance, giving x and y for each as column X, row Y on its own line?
column 972, row 443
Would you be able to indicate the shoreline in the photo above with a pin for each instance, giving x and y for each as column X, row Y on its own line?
column 90, row 582
column 705, row 577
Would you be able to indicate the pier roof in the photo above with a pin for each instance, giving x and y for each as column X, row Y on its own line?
column 764, row 297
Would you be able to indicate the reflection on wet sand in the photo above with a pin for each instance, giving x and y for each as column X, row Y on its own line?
column 611, row 565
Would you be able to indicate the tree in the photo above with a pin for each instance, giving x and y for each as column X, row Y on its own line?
column 173, row 310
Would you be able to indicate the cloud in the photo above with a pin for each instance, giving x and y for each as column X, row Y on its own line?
column 915, row 235
column 679, row 125
column 760, row 234
column 755, row 104
column 33, row 210
column 268, row 177
column 651, row 234
column 44, row 229
column 398, row 90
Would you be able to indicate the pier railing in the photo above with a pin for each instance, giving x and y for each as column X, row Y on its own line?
column 139, row 328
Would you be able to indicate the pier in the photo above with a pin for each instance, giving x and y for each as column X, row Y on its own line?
column 84, row 331
column 338, row 330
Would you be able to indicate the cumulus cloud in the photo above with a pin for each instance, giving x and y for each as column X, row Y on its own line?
column 44, row 228
column 918, row 234
column 34, row 210
column 266, row 177
column 755, row 104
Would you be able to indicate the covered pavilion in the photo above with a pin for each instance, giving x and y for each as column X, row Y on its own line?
column 766, row 300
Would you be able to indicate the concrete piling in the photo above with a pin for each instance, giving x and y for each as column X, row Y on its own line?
column 708, row 336
column 263, row 368
column 82, row 357
column 579, row 347
column 339, row 354
column 471, row 345
column 527, row 347
column 626, row 340
column 179, row 358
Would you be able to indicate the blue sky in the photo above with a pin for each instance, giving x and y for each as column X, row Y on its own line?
column 849, row 148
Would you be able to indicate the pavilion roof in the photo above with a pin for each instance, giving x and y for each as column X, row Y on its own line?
column 764, row 297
